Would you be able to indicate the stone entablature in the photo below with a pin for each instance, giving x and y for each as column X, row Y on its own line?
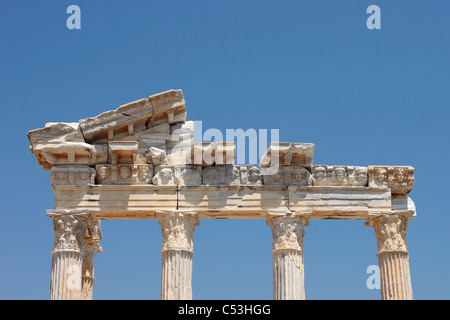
column 140, row 162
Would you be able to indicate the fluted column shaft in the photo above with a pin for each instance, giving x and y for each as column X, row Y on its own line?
column 393, row 257
column 69, row 228
column 177, row 228
column 91, row 248
column 287, row 256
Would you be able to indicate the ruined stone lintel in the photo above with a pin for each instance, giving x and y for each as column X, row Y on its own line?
column 222, row 201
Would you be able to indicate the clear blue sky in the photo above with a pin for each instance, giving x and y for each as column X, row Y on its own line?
column 311, row 69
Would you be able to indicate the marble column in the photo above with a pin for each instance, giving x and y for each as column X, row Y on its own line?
column 177, row 228
column 70, row 228
column 91, row 248
column 287, row 256
column 393, row 257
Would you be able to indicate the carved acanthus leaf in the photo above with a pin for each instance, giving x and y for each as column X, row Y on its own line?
column 288, row 232
column 390, row 231
column 177, row 229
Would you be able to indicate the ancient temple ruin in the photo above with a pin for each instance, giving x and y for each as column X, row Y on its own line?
column 140, row 162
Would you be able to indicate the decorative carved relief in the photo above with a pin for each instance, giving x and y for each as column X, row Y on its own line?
column 288, row 232
column 250, row 175
column 221, row 175
column 177, row 229
column 288, row 176
column 69, row 228
column 156, row 156
column 390, row 231
column 72, row 175
column 124, row 174
column 164, row 176
column 188, row 175
column 339, row 175
column 400, row 179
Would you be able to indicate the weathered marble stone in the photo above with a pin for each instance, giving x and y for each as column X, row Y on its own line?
column 221, row 175
column 399, row 178
column 339, row 175
column 287, row 256
column 180, row 132
column 56, row 132
column 250, row 175
column 177, row 229
column 156, row 156
column 126, row 120
column 72, row 175
column 224, row 153
column 287, row 176
column 188, row 175
column 140, row 162
column 203, row 153
column 123, row 174
column 393, row 258
column 164, row 175
column 288, row 154
column 122, row 151
column 168, row 106
column 49, row 154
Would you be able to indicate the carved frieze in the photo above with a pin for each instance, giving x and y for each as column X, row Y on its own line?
column 187, row 175
column 221, row 175
column 250, row 175
column 124, row 174
column 399, row 178
column 339, row 175
column 288, row 176
column 164, row 176
column 72, row 175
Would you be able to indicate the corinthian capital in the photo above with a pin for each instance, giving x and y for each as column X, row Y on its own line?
column 390, row 230
column 288, row 231
column 177, row 228
column 70, row 228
